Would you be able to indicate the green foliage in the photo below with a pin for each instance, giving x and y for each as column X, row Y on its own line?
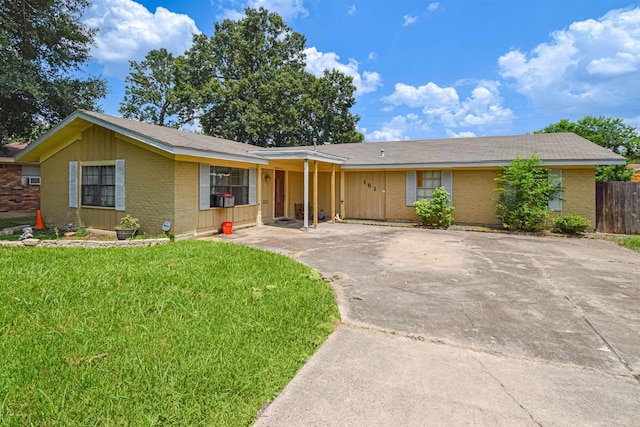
column 43, row 44
column 186, row 334
column 151, row 93
column 572, row 224
column 128, row 222
column 15, row 221
column 435, row 211
column 630, row 242
column 524, row 194
column 248, row 83
column 608, row 133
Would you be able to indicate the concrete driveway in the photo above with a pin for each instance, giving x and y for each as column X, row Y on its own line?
column 465, row 328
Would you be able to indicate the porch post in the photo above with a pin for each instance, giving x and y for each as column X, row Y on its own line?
column 259, row 196
column 315, row 194
column 306, row 194
column 342, row 194
column 333, row 192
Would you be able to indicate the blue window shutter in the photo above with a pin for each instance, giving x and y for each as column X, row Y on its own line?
column 120, row 187
column 556, row 203
column 252, row 186
column 205, row 186
column 411, row 187
column 447, row 183
column 73, row 184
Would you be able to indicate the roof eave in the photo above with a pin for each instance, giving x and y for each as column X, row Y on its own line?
column 192, row 152
column 500, row 163
column 299, row 155
column 153, row 142
column 76, row 114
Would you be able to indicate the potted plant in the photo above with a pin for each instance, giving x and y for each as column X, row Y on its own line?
column 128, row 227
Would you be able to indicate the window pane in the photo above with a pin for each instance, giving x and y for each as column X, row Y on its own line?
column 107, row 175
column 98, row 186
column 231, row 181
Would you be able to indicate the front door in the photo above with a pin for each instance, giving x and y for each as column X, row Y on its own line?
column 279, row 196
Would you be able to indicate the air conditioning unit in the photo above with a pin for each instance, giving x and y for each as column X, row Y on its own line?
column 34, row 180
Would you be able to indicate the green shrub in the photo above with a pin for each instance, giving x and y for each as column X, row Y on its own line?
column 128, row 222
column 524, row 194
column 572, row 224
column 435, row 211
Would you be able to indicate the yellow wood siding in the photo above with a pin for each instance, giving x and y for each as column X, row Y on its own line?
column 365, row 195
column 295, row 191
column 148, row 181
column 268, row 191
column 397, row 208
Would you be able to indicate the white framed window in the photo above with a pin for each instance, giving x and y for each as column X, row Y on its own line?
column 555, row 204
column 234, row 181
column 239, row 182
column 426, row 182
column 97, row 184
column 420, row 184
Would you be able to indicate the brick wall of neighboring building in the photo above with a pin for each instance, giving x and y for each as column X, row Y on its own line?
column 15, row 197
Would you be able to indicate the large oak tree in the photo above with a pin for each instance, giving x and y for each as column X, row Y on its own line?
column 151, row 93
column 247, row 83
column 43, row 45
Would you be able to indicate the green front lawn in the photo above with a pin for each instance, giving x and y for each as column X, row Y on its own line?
column 631, row 243
column 13, row 222
column 191, row 333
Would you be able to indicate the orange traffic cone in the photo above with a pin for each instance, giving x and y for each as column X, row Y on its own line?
column 39, row 222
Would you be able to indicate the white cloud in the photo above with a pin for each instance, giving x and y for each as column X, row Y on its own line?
column 408, row 20
column 352, row 10
column 589, row 68
column 287, row 9
column 397, row 129
column 317, row 62
column 430, row 96
column 482, row 109
column 452, row 134
column 433, row 7
column 127, row 31
column 373, row 56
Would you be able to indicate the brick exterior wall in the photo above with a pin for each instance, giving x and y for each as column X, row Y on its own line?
column 15, row 197
column 579, row 193
column 474, row 194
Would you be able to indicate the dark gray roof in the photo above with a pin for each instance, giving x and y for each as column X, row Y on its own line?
column 552, row 148
column 173, row 141
column 177, row 138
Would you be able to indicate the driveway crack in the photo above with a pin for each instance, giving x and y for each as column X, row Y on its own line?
column 580, row 313
column 488, row 372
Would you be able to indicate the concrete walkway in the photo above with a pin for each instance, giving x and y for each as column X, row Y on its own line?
column 463, row 328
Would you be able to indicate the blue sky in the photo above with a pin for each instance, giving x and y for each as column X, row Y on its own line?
column 423, row 69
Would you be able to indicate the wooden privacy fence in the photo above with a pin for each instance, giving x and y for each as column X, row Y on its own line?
column 618, row 207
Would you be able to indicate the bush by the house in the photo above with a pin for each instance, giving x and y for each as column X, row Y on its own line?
column 572, row 224
column 524, row 194
column 435, row 212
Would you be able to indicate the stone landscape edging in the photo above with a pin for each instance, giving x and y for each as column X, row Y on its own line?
column 87, row 243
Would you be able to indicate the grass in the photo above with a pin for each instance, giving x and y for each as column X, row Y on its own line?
column 191, row 333
column 37, row 234
column 13, row 222
column 631, row 243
